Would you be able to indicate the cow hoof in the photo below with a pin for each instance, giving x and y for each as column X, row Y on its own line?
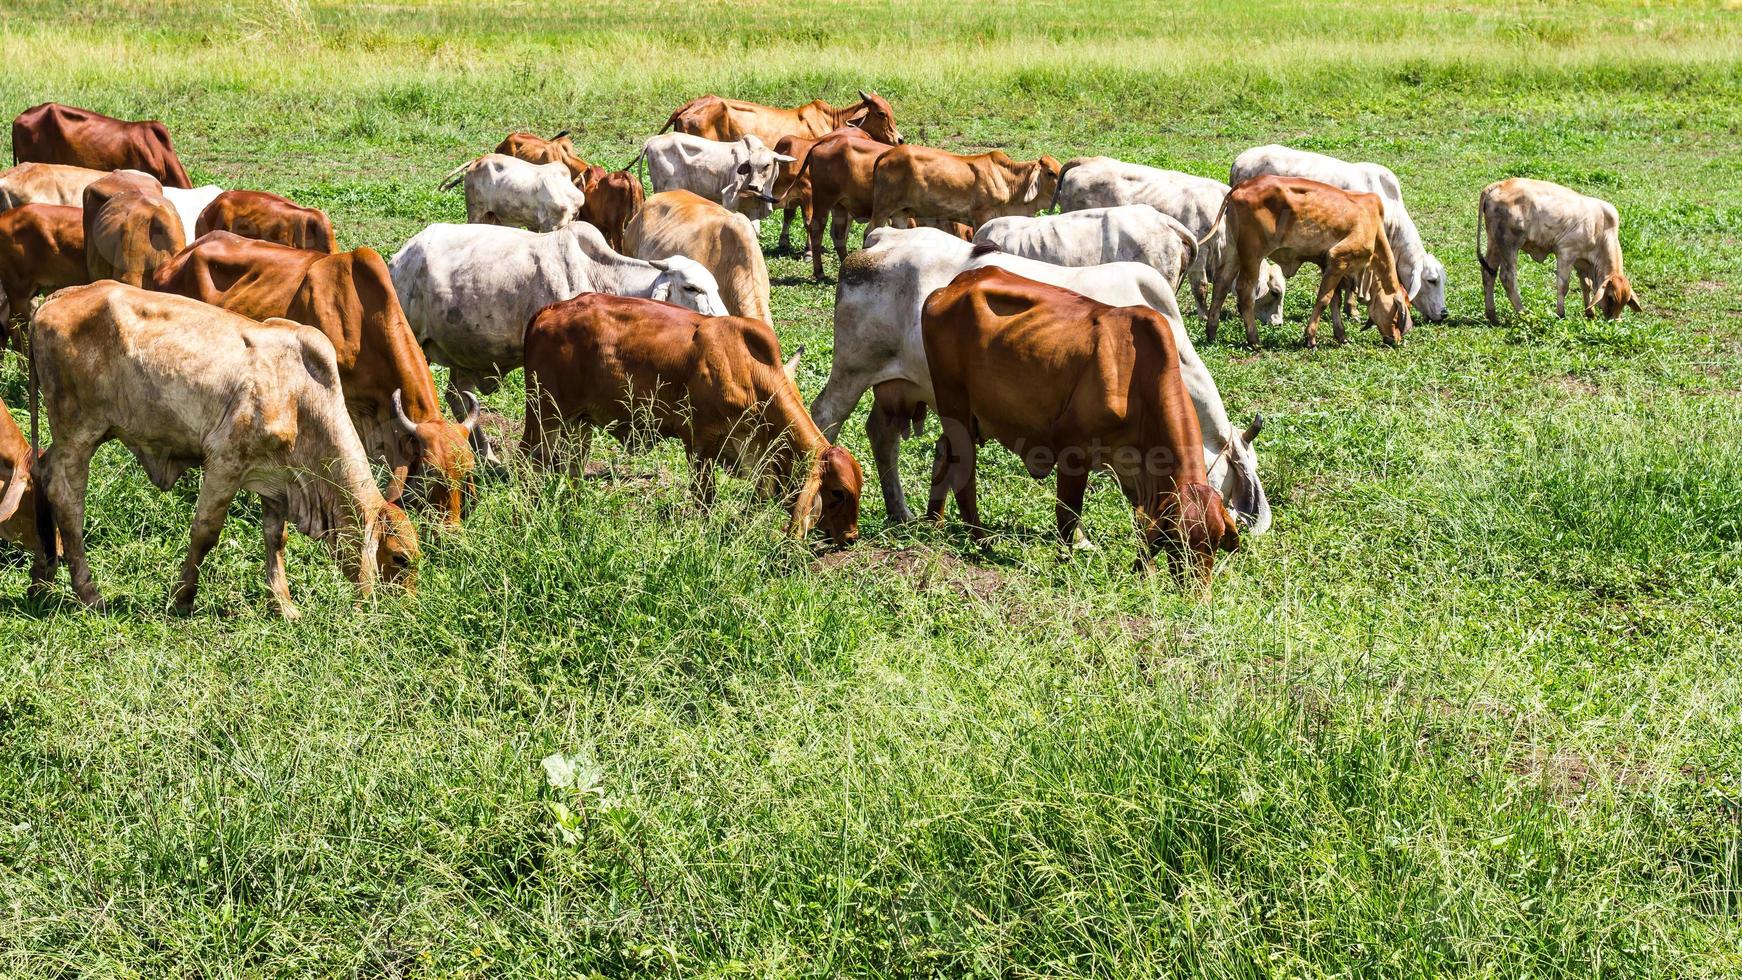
column 288, row 612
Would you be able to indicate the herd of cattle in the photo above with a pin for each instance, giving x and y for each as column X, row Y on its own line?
column 278, row 364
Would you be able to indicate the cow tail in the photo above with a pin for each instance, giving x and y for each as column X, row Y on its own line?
column 47, row 537
column 1216, row 221
column 1481, row 257
column 455, row 175
column 1060, row 186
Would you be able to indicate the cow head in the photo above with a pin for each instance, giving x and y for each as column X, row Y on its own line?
column 1043, row 181
column 687, row 283
column 1389, row 309
column 1234, row 473
column 439, row 461
column 396, row 552
column 1272, row 285
column 876, row 118
column 1201, row 527
column 755, row 170
column 829, row 498
column 1614, row 296
column 1429, row 293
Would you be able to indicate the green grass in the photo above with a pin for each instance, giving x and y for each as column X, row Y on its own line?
column 1473, row 709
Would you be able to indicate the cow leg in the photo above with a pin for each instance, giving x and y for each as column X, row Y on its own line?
column 785, row 244
column 1338, row 314
column 273, row 515
column 1327, row 294
column 840, row 223
column 217, row 490
column 1073, row 483
column 814, row 236
column 461, row 383
column 1563, row 277
column 69, row 470
column 1213, row 315
column 1509, row 275
column 1200, row 285
column 1245, row 293
column 885, row 438
column 836, row 401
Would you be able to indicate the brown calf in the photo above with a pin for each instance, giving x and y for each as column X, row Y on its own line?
column 1071, row 385
column 1293, row 221
column 42, row 249
column 536, row 149
column 613, row 197
column 716, row 383
column 839, row 170
column 269, row 218
column 926, row 183
column 54, row 133
column 730, row 120
column 348, row 296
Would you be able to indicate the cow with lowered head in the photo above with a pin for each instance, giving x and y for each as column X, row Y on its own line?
column 55, row 133
column 925, row 183
column 712, row 117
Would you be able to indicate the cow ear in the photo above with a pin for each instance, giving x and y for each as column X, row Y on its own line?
column 1633, row 303
column 1596, row 303
column 1032, row 190
column 783, row 158
column 662, row 289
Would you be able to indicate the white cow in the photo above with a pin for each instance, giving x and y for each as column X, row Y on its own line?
column 1543, row 219
column 1103, row 182
column 739, row 174
column 1422, row 275
column 1128, row 233
column 470, row 290
column 878, row 344
column 505, row 190
column 190, row 202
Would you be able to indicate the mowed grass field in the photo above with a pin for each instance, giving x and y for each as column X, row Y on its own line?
column 1473, row 709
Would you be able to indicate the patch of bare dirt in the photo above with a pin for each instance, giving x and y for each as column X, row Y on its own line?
column 1572, row 384
column 924, row 567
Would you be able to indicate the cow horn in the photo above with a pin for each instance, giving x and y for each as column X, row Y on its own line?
column 863, row 97
column 791, row 365
column 473, row 413
column 559, row 136
column 399, row 415
column 1252, row 430
column 660, row 264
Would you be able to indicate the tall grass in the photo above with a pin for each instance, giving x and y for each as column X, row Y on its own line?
column 1470, row 710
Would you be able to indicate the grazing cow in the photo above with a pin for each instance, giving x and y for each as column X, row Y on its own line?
column 1293, row 221
column 536, row 149
column 877, row 347
column 1129, row 233
column 349, row 298
column 46, row 183
column 268, row 218
column 1543, row 219
column 1422, row 274
column 502, row 190
column 681, row 223
column 739, row 174
column 1075, row 386
column 716, row 383
column 728, row 120
column 55, row 133
column 184, row 384
column 130, row 233
column 42, row 249
column 922, row 182
column 1103, row 182
column 470, row 290
column 613, row 197
column 18, row 498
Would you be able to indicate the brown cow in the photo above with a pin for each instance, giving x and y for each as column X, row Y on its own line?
column 130, row 227
column 349, row 297
column 724, row 242
column 730, row 120
column 18, row 499
column 269, row 218
column 839, row 171
column 536, row 149
column 46, row 183
column 183, row 384
column 1073, row 385
column 792, row 187
column 1292, row 221
column 922, row 182
column 55, row 133
column 613, row 197
column 716, row 383
column 42, row 249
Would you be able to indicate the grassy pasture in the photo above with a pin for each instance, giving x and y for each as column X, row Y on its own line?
column 1471, row 709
